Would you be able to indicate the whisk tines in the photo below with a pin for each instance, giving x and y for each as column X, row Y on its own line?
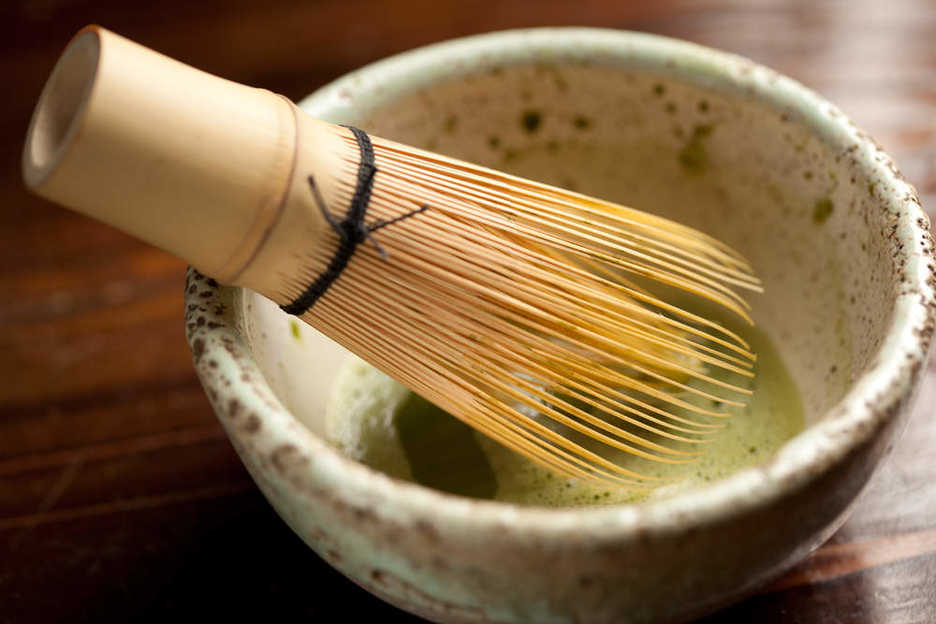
column 529, row 312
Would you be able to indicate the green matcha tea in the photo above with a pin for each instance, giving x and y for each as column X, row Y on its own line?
column 378, row 422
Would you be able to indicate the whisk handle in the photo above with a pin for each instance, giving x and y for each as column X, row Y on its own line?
column 197, row 165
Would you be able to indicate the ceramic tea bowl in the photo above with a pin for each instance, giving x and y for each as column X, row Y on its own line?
column 707, row 138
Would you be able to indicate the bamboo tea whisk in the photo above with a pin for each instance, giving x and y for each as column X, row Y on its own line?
column 522, row 309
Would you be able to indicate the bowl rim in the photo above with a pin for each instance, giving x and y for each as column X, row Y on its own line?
column 871, row 402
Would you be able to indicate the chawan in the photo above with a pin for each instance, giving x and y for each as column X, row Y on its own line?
column 707, row 138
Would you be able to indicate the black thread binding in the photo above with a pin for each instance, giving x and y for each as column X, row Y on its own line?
column 351, row 230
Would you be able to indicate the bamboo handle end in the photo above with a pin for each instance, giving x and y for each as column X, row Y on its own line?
column 60, row 107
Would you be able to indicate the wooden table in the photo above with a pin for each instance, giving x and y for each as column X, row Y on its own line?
column 120, row 497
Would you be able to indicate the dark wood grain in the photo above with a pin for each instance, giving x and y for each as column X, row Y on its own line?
column 120, row 497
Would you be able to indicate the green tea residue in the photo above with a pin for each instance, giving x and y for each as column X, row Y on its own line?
column 376, row 421
column 693, row 156
column 822, row 211
column 442, row 451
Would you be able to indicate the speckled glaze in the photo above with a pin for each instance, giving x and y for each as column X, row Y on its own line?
column 708, row 138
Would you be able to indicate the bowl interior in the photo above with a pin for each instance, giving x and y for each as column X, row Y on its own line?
column 696, row 149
